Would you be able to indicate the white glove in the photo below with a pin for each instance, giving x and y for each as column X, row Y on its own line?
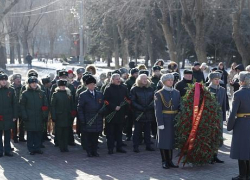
column 161, row 127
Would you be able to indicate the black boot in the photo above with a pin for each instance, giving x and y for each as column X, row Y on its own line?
column 163, row 157
column 242, row 170
column 217, row 160
column 170, row 162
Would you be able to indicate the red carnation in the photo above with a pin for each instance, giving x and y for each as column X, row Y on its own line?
column 106, row 102
column 73, row 113
column 45, row 108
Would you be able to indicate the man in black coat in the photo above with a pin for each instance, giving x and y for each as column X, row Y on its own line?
column 198, row 75
column 183, row 84
column 90, row 104
column 115, row 95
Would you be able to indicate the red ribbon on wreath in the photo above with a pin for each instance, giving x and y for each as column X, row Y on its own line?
column 197, row 112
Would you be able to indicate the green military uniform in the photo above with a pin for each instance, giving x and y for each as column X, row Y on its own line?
column 8, row 111
column 61, row 107
column 34, row 108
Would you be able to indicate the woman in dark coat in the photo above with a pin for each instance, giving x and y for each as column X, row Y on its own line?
column 167, row 102
column 240, row 147
column 62, row 111
column 34, row 107
column 142, row 96
column 8, row 114
column 90, row 104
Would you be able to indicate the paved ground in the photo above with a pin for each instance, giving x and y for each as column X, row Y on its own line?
column 131, row 166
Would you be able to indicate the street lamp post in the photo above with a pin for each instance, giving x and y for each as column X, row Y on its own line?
column 81, row 57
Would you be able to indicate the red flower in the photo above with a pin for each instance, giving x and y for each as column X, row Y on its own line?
column 127, row 100
column 45, row 108
column 1, row 118
column 73, row 113
column 106, row 102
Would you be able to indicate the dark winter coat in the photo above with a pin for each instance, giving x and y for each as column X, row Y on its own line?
column 130, row 82
column 71, row 88
column 8, row 107
column 31, row 102
column 182, row 85
column 115, row 95
column 29, row 58
column 155, row 80
column 88, row 106
column 18, row 94
column 224, row 76
column 198, row 76
column 142, row 98
column 236, row 83
column 166, row 137
column 61, row 107
column 240, row 147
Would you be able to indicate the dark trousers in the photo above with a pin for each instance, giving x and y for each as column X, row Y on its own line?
column 129, row 124
column 139, row 127
column 62, row 137
column 114, row 133
column 45, row 132
column 154, row 127
column 6, row 147
column 34, row 140
column 91, row 141
column 21, row 129
column 71, row 133
column 83, row 140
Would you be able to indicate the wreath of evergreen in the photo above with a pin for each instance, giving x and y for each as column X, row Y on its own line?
column 209, row 133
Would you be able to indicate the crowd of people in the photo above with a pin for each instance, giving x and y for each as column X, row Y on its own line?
column 139, row 102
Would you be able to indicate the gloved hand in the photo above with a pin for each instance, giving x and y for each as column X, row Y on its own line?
column 161, row 127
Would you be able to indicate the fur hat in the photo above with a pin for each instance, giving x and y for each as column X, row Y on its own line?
column 3, row 77
column 144, row 72
column 91, row 68
column 32, row 79
column 32, row 74
column 133, row 71
column 29, row 73
column 90, row 80
column 142, row 67
column 196, row 63
column 62, row 73
column 80, row 70
column 123, row 70
column 172, row 66
column 166, row 77
column 214, row 75
column 85, row 76
column 46, row 80
column 186, row 71
column 116, row 72
column 157, row 68
column 62, row 82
